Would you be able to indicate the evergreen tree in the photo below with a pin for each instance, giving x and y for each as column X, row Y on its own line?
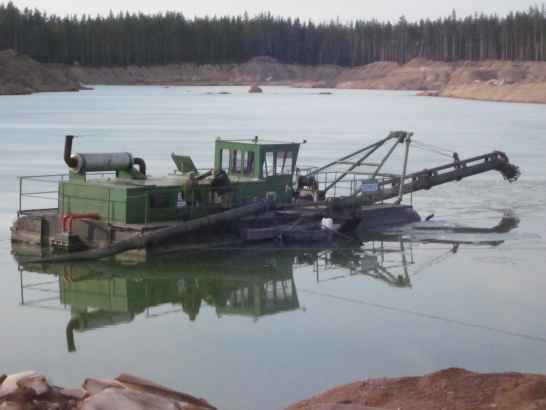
column 162, row 38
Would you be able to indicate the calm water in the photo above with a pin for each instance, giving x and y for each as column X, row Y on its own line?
column 264, row 328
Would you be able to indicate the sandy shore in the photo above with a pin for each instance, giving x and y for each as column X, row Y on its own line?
column 520, row 81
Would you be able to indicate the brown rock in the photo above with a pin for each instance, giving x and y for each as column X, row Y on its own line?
column 148, row 386
column 127, row 399
column 30, row 391
column 24, row 383
column 35, row 382
column 430, row 93
column 255, row 89
column 78, row 394
column 95, row 386
column 11, row 405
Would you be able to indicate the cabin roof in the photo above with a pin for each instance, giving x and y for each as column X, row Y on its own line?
column 255, row 141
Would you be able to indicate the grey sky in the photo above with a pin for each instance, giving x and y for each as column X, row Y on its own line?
column 317, row 10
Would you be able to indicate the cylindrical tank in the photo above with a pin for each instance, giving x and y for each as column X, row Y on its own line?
column 112, row 161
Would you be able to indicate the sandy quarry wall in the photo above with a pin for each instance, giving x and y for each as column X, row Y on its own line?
column 487, row 80
column 498, row 81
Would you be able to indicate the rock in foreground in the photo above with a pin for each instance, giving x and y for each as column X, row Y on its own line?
column 450, row 389
column 32, row 391
column 20, row 74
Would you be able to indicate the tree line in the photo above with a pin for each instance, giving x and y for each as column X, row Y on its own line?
column 136, row 38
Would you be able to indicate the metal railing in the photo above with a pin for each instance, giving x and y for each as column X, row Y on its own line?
column 44, row 192
column 39, row 292
column 351, row 182
column 45, row 189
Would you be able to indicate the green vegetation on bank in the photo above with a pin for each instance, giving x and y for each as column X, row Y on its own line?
column 170, row 37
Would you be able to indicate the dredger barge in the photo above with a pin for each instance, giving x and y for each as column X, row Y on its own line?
column 108, row 204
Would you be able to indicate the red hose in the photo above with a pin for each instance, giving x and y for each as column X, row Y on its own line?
column 69, row 218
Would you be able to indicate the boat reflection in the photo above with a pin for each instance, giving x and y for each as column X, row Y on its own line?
column 253, row 282
column 106, row 293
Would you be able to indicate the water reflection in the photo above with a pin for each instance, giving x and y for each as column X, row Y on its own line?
column 253, row 282
column 104, row 293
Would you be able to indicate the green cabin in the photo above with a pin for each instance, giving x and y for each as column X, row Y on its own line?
column 244, row 171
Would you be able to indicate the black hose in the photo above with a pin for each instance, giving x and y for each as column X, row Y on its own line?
column 151, row 238
column 71, row 162
column 70, row 341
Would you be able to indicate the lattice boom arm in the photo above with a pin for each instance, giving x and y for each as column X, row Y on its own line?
column 455, row 171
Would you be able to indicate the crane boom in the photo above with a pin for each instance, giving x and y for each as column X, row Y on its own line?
column 370, row 187
column 428, row 178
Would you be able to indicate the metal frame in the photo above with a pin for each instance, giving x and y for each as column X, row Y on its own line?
column 358, row 159
column 397, row 185
column 45, row 179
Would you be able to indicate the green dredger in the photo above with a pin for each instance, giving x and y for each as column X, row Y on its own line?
column 255, row 192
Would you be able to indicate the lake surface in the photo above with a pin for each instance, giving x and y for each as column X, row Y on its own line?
column 263, row 328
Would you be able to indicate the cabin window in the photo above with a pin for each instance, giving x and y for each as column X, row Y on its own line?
column 236, row 161
column 284, row 163
column 225, row 159
column 248, row 168
column 268, row 166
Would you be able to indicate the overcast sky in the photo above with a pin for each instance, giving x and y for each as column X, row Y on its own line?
column 317, row 10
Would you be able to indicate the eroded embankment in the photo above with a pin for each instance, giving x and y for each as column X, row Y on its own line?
column 516, row 81
column 20, row 74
